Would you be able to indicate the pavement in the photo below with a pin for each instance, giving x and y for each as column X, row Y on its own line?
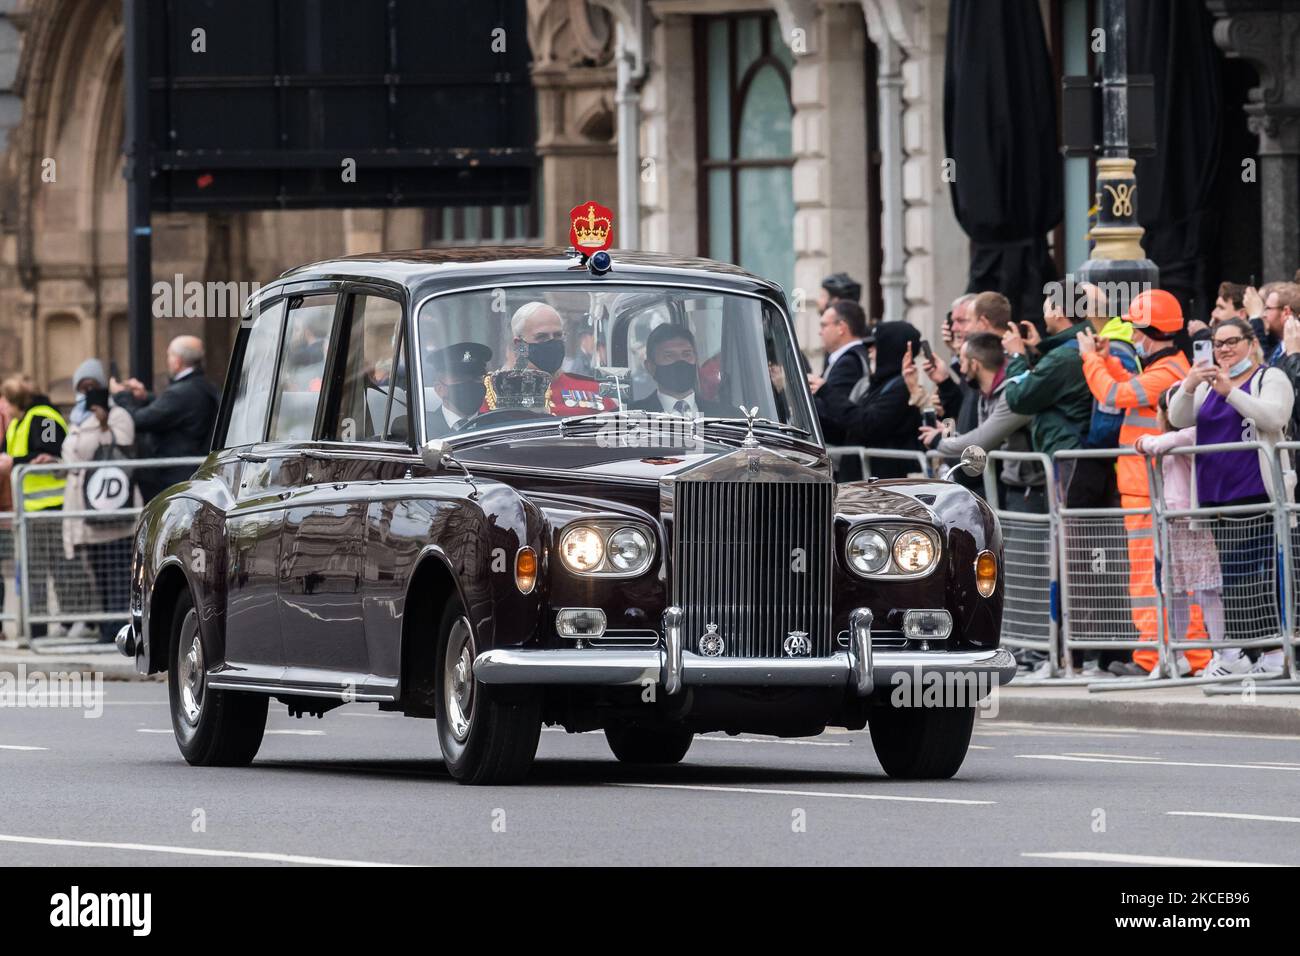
column 364, row 787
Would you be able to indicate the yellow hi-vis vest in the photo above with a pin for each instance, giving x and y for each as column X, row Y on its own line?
column 43, row 489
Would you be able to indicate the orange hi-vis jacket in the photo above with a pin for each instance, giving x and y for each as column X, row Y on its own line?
column 1111, row 384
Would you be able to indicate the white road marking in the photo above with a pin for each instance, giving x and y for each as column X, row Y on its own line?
column 151, row 730
column 194, row 851
column 981, row 747
column 1071, row 753
column 20, row 747
column 1089, row 857
column 805, row 793
column 1158, row 763
column 772, row 740
column 1232, row 816
column 296, row 733
column 1085, row 731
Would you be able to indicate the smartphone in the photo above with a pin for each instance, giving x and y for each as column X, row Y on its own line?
column 925, row 350
column 929, row 419
column 1025, row 330
column 97, row 398
column 1203, row 352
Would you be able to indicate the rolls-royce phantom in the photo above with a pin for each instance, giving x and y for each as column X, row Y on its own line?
column 508, row 488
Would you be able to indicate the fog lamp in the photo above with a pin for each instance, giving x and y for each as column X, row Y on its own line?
column 579, row 622
column 927, row 625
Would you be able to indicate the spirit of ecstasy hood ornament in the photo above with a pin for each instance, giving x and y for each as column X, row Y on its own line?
column 751, row 414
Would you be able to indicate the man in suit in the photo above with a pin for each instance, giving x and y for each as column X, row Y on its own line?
column 457, row 372
column 845, row 339
column 671, row 361
column 176, row 424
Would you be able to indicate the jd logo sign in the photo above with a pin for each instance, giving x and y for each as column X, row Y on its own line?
column 107, row 489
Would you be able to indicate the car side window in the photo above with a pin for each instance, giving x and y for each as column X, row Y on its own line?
column 372, row 396
column 302, row 366
column 252, row 393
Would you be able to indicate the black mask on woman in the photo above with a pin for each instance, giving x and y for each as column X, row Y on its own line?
column 548, row 356
column 676, row 377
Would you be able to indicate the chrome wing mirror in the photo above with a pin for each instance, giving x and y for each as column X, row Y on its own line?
column 974, row 460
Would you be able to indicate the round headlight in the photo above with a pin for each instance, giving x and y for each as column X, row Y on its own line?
column 582, row 549
column 868, row 552
column 629, row 549
column 913, row 552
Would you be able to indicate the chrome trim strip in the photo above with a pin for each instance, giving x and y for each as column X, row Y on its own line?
column 671, row 678
column 862, row 677
column 259, row 687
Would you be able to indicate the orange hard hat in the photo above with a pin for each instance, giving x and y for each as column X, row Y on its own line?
column 1156, row 309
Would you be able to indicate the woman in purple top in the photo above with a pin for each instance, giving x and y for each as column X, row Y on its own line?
column 1238, row 400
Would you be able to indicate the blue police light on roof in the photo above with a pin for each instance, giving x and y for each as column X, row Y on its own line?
column 600, row 263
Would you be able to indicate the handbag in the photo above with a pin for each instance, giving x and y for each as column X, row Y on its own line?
column 109, row 489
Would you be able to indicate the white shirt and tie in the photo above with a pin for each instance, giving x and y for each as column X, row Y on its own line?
column 679, row 406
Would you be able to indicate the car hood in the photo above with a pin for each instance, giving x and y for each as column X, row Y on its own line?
column 596, row 458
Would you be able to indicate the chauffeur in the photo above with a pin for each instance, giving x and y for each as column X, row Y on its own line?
column 458, row 371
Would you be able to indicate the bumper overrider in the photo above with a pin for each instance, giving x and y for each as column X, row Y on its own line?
column 859, row 668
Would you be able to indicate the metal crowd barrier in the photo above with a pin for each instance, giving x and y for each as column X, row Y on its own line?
column 1030, row 573
column 1071, row 587
column 92, row 586
column 864, row 456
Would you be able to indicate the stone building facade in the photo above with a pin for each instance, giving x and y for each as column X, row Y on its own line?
column 796, row 137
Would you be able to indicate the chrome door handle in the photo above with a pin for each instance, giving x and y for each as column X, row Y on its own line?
column 250, row 457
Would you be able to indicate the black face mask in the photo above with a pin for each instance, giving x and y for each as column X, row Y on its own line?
column 548, row 356
column 677, row 377
column 466, row 397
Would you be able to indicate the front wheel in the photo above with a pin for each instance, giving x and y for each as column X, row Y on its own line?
column 488, row 735
column 648, row 745
column 921, row 743
column 214, row 728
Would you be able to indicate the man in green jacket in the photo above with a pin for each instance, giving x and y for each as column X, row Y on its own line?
column 1050, row 387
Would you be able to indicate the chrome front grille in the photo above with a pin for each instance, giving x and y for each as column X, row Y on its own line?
column 754, row 558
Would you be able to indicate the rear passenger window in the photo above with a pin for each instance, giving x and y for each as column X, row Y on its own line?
column 302, row 367
column 252, row 394
column 372, row 397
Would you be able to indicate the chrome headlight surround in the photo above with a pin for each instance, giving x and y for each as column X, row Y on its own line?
column 895, row 534
column 618, row 541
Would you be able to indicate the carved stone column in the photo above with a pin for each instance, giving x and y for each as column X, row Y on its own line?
column 1266, row 34
column 574, row 76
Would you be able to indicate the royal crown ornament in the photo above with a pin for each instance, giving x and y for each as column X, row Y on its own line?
column 591, row 227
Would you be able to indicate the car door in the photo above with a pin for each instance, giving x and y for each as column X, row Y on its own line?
column 323, row 549
column 253, row 523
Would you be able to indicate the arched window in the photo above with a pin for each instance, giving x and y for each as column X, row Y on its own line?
column 746, row 158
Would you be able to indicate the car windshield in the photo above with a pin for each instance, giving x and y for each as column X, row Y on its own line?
column 495, row 357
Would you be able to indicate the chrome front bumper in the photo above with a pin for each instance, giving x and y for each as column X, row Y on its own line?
column 671, row 667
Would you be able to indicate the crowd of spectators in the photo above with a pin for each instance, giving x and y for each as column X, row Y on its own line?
column 1093, row 374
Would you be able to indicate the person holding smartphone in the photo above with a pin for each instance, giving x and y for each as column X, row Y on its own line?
column 1156, row 317
column 104, row 547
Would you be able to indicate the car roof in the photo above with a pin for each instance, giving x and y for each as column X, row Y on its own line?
column 427, row 270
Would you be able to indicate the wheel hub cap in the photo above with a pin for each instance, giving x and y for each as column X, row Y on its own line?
column 192, row 680
column 458, row 680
